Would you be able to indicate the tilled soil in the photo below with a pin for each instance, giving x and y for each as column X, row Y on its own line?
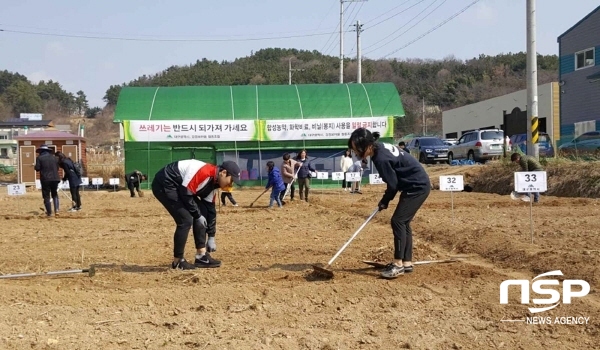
column 265, row 295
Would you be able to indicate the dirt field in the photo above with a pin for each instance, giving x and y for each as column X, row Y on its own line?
column 264, row 297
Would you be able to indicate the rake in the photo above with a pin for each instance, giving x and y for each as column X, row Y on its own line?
column 325, row 271
column 260, row 195
column 91, row 272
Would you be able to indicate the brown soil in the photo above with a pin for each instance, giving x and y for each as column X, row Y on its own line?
column 265, row 296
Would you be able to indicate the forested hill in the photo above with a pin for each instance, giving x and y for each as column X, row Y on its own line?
column 446, row 83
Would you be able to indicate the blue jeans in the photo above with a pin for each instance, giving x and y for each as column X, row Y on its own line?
column 275, row 197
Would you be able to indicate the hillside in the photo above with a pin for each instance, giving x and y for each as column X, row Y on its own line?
column 444, row 84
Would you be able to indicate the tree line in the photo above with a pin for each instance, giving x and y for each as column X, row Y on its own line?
column 442, row 84
column 19, row 95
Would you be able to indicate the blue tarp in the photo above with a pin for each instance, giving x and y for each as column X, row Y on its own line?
column 463, row 162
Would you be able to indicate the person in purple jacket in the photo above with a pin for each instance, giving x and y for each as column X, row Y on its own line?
column 276, row 183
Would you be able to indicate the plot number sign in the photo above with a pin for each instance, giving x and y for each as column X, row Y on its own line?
column 452, row 183
column 322, row 175
column 16, row 190
column 375, row 179
column 530, row 181
column 353, row 177
column 337, row 176
column 113, row 181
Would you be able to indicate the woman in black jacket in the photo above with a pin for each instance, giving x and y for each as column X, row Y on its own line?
column 402, row 173
column 69, row 173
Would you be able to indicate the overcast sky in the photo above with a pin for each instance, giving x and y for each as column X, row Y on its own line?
column 92, row 65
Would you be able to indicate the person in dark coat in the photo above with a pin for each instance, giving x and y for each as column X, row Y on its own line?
column 303, row 168
column 402, row 173
column 70, row 174
column 133, row 182
column 47, row 165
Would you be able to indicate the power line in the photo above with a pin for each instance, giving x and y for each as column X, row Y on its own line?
column 433, row 29
column 409, row 28
column 311, row 31
column 396, row 14
column 163, row 40
column 333, row 3
column 352, row 21
column 386, row 12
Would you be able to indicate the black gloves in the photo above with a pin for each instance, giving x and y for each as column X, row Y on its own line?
column 382, row 206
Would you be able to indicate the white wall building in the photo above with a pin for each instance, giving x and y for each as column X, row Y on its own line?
column 490, row 113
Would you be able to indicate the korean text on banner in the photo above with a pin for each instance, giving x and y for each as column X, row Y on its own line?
column 323, row 129
column 190, row 130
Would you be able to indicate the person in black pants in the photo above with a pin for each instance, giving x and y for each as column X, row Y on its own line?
column 402, row 173
column 187, row 189
column 69, row 173
column 133, row 182
column 47, row 165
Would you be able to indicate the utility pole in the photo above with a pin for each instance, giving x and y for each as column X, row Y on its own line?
column 290, row 70
column 341, row 41
column 424, row 127
column 358, row 57
column 342, row 36
column 532, row 94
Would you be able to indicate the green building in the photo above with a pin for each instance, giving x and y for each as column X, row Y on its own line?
column 250, row 124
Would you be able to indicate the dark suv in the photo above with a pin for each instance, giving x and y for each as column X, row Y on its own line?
column 428, row 149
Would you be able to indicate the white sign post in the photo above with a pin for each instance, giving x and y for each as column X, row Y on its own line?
column 114, row 182
column 375, row 179
column 16, row 190
column 452, row 183
column 322, row 175
column 85, row 181
column 97, row 181
column 530, row 182
column 353, row 177
column 337, row 176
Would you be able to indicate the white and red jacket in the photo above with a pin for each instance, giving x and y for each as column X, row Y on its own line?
column 192, row 178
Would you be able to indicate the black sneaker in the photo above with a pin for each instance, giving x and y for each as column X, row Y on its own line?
column 207, row 261
column 182, row 265
column 392, row 271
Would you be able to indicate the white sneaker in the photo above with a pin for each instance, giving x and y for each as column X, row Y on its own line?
column 235, row 205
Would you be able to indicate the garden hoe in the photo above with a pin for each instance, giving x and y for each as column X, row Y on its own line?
column 91, row 272
column 325, row 271
column 260, row 195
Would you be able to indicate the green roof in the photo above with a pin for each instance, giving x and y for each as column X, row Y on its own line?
column 258, row 102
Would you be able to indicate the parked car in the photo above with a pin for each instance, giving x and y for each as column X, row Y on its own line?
column 478, row 145
column 586, row 142
column 449, row 142
column 545, row 144
column 428, row 149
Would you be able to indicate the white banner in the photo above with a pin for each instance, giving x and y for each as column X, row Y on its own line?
column 323, row 129
column 190, row 130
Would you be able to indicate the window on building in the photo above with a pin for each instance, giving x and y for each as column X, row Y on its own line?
column 3, row 137
column 3, row 152
column 584, row 59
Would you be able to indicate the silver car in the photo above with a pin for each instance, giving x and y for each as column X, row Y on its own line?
column 478, row 145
